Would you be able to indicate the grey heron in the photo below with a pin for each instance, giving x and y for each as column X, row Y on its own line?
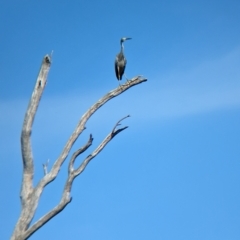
column 121, row 61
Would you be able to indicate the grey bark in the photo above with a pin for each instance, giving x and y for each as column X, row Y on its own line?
column 30, row 195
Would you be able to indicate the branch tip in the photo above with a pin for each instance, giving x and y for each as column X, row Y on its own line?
column 118, row 124
column 91, row 138
column 45, row 167
column 47, row 59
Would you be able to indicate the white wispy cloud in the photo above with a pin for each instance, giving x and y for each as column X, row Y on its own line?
column 213, row 85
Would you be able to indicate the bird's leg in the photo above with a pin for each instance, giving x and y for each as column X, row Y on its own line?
column 128, row 81
column 120, row 84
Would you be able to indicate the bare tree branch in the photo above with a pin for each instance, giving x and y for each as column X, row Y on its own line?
column 27, row 128
column 27, row 156
column 63, row 203
column 72, row 174
column 81, row 126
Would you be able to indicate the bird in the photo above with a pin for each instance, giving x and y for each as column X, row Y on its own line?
column 120, row 60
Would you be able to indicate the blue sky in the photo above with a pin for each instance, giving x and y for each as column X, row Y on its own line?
column 174, row 173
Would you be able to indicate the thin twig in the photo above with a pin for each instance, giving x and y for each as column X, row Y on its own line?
column 45, row 167
column 118, row 123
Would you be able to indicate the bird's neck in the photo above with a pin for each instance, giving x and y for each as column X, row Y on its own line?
column 122, row 47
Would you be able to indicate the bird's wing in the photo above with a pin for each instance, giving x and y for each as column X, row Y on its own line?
column 117, row 70
column 122, row 69
column 120, row 63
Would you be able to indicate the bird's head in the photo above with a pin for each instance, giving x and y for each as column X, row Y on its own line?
column 124, row 39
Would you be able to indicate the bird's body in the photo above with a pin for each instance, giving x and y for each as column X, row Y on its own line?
column 120, row 64
column 120, row 61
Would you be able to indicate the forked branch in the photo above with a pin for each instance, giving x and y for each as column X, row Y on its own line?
column 72, row 174
column 81, row 125
column 108, row 138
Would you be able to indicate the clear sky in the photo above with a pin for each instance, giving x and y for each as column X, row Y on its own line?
column 175, row 172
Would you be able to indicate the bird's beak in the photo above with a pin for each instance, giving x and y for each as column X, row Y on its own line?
column 125, row 38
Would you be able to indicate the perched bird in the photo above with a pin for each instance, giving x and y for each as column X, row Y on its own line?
column 121, row 61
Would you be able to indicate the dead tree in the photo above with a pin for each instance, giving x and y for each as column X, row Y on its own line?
column 30, row 194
